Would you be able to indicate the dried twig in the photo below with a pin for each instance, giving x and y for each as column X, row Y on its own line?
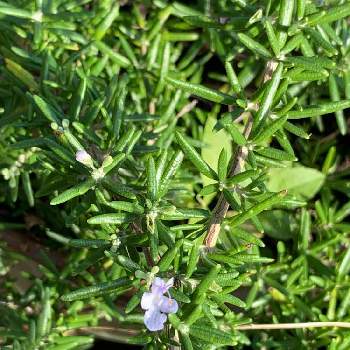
column 293, row 325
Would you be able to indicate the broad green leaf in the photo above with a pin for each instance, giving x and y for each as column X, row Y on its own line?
column 300, row 181
column 278, row 224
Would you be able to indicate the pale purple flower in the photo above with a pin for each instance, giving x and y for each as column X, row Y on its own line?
column 157, row 305
column 83, row 157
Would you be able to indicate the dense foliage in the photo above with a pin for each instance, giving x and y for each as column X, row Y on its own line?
column 203, row 141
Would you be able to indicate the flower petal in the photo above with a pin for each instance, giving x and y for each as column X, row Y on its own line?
column 168, row 305
column 170, row 283
column 158, row 286
column 147, row 301
column 154, row 320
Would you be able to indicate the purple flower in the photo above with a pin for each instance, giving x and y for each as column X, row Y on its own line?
column 157, row 305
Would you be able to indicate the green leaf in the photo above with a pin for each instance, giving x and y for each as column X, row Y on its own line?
column 78, row 243
column 97, row 290
column 274, row 43
column 247, row 237
column 119, row 188
column 344, row 266
column 27, row 186
column 286, row 12
column 275, row 153
column 113, row 163
column 73, row 192
column 239, row 259
column 278, row 224
column 185, row 341
column 127, row 263
column 194, row 157
column 106, row 22
column 15, row 12
column 253, row 45
column 296, row 130
column 169, row 172
column 299, row 74
column 229, row 299
column 270, row 129
column 77, row 99
column 126, row 206
column 234, row 131
column 241, row 177
column 330, row 15
column 182, row 214
column 269, row 94
column 335, row 96
column 193, row 258
column 47, row 110
column 112, row 218
column 325, row 108
column 141, row 117
column 209, row 189
column 116, row 57
column 206, row 282
column 257, row 208
column 151, row 179
column 305, row 229
column 43, row 324
column 201, row 91
column 163, row 69
column 214, row 141
column 232, row 77
column 319, row 41
column 168, row 257
column 222, row 165
column 22, row 74
column 300, row 181
column 212, row 335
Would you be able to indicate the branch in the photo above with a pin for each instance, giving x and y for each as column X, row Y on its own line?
column 237, row 164
column 221, row 208
column 293, row 325
column 119, row 333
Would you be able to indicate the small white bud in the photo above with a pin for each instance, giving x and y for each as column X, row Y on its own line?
column 54, row 126
column 65, row 123
column 83, row 157
column 98, row 174
column 37, row 16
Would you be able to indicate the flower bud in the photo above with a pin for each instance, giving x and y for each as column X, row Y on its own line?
column 83, row 157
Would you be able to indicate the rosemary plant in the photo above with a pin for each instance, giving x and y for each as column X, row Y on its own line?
column 174, row 174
